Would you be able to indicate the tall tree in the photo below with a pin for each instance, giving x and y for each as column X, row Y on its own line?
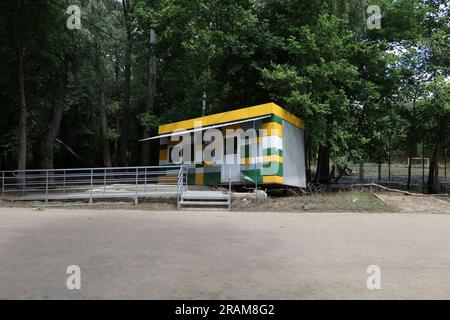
column 22, row 162
column 54, row 125
column 150, row 105
column 19, row 48
column 124, row 125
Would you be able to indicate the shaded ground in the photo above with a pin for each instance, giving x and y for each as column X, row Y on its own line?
column 222, row 255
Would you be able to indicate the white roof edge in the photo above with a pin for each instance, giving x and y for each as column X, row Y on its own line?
column 181, row 132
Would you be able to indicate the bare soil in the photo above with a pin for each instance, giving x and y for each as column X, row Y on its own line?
column 188, row 255
column 353, row 201
column 343, row 201
column 417, row 204
column 160, row 204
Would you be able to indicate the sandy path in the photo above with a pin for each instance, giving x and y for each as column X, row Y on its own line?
column 221, row 255
column 415, row 204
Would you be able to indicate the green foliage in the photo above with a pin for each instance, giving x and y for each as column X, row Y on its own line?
column 113, row 108
column 113, row 134
column 359, row 91
column 148, row 121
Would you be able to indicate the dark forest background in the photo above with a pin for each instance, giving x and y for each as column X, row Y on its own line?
column 77, row 98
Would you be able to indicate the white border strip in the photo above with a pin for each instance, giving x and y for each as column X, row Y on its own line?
column 179, row 133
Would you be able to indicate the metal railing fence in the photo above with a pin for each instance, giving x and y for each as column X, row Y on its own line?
column 91, row 183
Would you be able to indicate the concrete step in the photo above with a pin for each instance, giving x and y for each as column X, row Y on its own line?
column 205, row 199
column 204, row 203
column 205, row 195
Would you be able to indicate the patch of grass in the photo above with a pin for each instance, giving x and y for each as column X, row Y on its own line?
column 353, row 201
column 341, row 201
column 40, row 209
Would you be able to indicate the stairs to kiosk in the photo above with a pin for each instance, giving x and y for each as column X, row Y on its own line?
column 205, row 199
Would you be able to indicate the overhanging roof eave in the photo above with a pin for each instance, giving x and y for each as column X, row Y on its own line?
column 181, row 132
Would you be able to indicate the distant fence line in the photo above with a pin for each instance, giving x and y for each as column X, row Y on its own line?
column 395, row 174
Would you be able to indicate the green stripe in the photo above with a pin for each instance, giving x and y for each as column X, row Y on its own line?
column 246, row 151
column 211, row 178
column 273, row 152
column 251, row 175
column 191, row 179
column 273, row 118
column 269, row 167
column 266, row 152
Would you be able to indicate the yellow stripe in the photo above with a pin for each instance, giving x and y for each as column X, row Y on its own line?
column 273, row 158
column 272, row 129
column 289, row 117
column 266, row 159
column 199, row 178
column 168, row 179
column 163, row 154
column 236, row 115
column 273, row 180
column 174, row 142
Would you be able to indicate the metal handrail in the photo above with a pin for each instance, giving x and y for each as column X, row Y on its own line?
column 43, row 184
column 182, row 175
column 99, row 168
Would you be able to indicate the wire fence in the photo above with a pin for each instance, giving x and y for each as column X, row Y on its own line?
column 396, row 174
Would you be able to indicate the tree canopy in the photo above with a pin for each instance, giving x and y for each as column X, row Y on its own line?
column 75, row 97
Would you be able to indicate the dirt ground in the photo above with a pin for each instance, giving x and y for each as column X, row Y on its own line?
column 343, row 201
column 132, row 254
column 354, row 201
column 417, row 204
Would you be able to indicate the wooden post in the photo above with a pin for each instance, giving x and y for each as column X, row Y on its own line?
column 3, row 184
column 389, row 160
column 46, row 186
column 145, row 179
column 423, row 166
column 136, row 190
column 379, row 171
column 92, row 185
column 24, row 183
column 445, row 163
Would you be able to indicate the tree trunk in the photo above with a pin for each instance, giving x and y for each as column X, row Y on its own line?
column 22, row 156
column 342, row 171
column 123, row 145
column 307, row 158
column 116, row 147
column 106, row 149
column 433, row 172
column 53, row 129
column 408, row 183
column 145, row 152
column 76, row 155
column 323, row 165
